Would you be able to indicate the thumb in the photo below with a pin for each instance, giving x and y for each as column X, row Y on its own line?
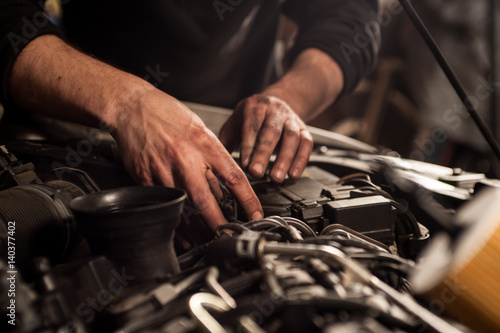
column 228, row 134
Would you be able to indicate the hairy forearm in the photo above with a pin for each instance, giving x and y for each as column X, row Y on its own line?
column 312, row 84
column 51, row 78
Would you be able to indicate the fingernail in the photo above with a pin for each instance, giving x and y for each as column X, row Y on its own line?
column 256, row 216
column 295, row 173
column 279, row 176
column 244, row 162
column 257, row 169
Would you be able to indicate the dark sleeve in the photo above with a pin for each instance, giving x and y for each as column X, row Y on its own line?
column 347, row 30
column 21, row 21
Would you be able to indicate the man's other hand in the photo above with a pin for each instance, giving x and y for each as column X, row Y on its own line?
column 260, row 123
column 277, row 115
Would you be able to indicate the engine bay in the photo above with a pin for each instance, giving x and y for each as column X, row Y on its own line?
column 91, row 252
column 334, row 252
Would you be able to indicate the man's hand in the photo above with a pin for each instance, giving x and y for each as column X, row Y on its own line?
column 162, row 142
column 259, row 123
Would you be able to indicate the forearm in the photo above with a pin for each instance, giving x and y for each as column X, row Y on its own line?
column 161, row 141
column 313, row 83
column 335, row 26
column 51, row 78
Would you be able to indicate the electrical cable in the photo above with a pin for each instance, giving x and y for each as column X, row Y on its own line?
column 303, row 227
column 358, row 244
column 377, row 191
column 409, row 217
column 336, row 230
column 262, row 224
column 278, row 219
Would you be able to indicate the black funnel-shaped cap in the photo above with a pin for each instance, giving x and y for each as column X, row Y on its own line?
column 133, row 227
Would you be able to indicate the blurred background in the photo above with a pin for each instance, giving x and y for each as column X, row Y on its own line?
column 408, row 105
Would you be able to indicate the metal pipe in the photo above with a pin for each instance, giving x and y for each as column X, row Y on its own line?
column 363, row 275
column 197, row 305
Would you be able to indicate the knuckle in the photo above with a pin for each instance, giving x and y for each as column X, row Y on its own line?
column 264, row 147
column 234, row 178
column 254, row 117
column 249, row 110
column 292, row 133
column 204, row 134
column 247, row 105
column 272, row 129
column 248, row 201
column 307, row 140
column 207, row 140
column 263, row 99
column 255, row 126
column 306, row 135
column 201, row 200
column 246, row 150
column 241, row 105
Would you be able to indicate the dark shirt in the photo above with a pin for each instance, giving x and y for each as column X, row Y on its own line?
column 212, row 52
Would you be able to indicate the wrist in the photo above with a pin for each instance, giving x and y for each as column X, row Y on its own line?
column 127, row 94
column 288, row 94
column 312, row 84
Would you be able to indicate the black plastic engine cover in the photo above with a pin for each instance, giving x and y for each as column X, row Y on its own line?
column 318, row 199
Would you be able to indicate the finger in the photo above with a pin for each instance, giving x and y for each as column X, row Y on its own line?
column 151, row 174
column 182, row 241
column 253, row 119
column 235, row 180
column 163, row 177
column 213, row 183
column 203, row 200
column 289, row 145
column 302, row 157
column 267, row 140
column 227, row 134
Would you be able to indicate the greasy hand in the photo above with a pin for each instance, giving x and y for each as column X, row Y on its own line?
column 259, row 123
column 162, row 142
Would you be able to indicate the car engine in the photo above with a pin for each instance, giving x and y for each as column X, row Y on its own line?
column 84, row 250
